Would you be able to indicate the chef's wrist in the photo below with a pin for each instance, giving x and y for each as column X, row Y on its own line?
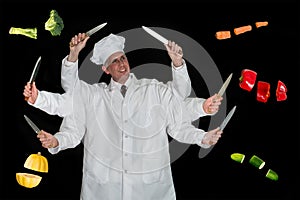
column 73, row 57
column 177, row 66
column 178, row 63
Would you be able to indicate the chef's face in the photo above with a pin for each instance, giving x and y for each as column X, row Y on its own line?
column 117, row 67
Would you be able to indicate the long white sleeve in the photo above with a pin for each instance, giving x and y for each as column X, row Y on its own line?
column 73, row 127
column 181, row 128
column 69, row 135
column 53, row 103
column 181, row 83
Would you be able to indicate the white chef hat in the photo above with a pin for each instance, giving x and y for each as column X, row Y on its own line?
column 106, row 47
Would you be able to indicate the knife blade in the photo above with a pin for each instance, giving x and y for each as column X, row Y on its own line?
column 32, row 125
column 94, row 30
column 227, row 118
column 34, row 72
column 158, row 36
column 155, row 35
column 91, row 32
column 224, row 86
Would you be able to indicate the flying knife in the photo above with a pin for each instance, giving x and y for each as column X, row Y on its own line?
column 34, row 72
column 92, row 31
column 227, row 118
column 224, row 86
column 33, row 126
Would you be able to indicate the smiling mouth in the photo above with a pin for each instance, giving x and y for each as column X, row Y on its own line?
column 122, row 70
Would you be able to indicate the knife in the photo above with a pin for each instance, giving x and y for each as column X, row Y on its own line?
column 224, row 86
column 227, row 118
column 34, row 72
column 91, row 32
column 204, row 151
column 155, row 35
column 33, row 126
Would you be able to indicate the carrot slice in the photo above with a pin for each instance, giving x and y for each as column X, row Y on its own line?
column 221, row 35
column 242, row 29
column 260, row 24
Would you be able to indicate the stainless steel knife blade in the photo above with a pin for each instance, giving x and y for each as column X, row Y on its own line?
column 32, row 125
column 35, row 70
column 91, row 32
column 227, row 118
column 94, row 30
column 155, row 35
column 224, row 86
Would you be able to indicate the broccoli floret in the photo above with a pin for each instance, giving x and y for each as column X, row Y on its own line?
column 29, row 32
column 54, row 24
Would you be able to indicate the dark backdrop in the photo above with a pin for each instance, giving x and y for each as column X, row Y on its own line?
column 269, row 130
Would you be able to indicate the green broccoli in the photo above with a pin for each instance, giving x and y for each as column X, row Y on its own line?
column 54, row 24
column 29, row 32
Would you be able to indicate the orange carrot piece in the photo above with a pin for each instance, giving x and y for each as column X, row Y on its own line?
column 221, row 35
column 242, row 29
column 260, row 24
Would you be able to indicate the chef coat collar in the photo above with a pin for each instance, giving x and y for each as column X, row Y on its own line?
column 115, row 85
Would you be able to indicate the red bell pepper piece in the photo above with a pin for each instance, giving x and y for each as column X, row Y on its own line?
column 247, row 79
column 281, row 91
column 263, row 91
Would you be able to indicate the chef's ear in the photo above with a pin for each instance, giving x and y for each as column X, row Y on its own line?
column 104, row 68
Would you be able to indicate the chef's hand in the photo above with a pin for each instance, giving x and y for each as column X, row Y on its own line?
column 212, row 104
column 47, row 139
column 212, row 137
column 175, row 53
column 30, row 92
column 76, row 45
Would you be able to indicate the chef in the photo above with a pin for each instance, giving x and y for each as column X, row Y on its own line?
column 124, row 132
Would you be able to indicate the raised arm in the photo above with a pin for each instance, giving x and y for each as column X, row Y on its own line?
column 179, row 121
column 199, row 107
column 69, row 68
column 51, row 103
column 181, row 83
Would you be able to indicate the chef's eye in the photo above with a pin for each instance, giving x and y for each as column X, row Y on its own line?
column 118, row 61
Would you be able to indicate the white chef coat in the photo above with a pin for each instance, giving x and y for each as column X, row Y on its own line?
column 58, row 104
column 126, row 152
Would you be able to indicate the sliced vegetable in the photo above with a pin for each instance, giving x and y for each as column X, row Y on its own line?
column 242, row 29
column 238, row 157
column 272, row 175
column 54, row 24
column 28, row 32
column 260, row 24
column 257, row 162
column 221, row 35
column 281, row 91
column 247, row 79
column 28, row 180
column 37, row 162
column 263, row 91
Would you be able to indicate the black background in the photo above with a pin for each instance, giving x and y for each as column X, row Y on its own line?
column 269, row 130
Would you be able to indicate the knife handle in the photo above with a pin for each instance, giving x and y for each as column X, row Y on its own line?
column 26, row 98
column 72, row 45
